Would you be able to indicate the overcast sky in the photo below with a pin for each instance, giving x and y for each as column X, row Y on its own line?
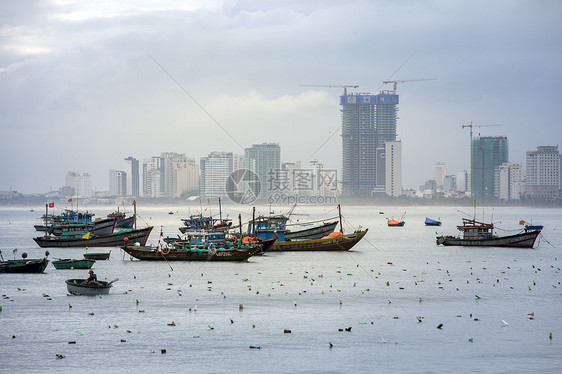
column 80, row 90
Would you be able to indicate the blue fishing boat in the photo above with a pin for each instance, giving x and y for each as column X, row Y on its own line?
column 431, row 222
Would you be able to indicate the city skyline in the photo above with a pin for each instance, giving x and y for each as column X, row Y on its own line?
column 84, row 86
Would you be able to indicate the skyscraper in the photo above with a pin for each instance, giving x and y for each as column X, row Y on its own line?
column 368, row 122
column 440, row 173
column 488, row 153
column 264, row 160
column 393, row 168
column 215, row 170
column 117, row 183
column 133, row 177
column 543, row 172
column 151, row 177
column 508, row 181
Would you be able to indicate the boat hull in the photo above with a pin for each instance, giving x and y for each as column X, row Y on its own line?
column 24, row 266
column 73, row 264
column 156, row 254
column 113, row 240
column 316, row 232
column 74, row 286
column 338, row 243
column 523, row 240
column 97, row 256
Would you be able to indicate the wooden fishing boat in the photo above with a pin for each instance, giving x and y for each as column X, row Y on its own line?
column 314, row 232
column 432, row 222
column 71, row 264
column 335, row 243
column 76, row 287
column 97, row 256
column 395, row 223
column 480, row 234
column 209, row 253
column 112, row 240
column 24, row 265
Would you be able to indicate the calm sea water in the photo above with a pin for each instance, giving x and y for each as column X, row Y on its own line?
column 379, row 289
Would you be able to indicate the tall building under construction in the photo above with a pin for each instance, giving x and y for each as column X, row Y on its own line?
column 368, row 122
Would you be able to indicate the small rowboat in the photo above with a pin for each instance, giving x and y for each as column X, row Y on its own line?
column 76, row 287
column 66, row 264
column 97, row 256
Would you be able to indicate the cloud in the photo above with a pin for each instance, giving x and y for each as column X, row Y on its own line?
column 77, row 79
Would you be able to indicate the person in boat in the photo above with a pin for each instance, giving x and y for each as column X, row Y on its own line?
column 92, row 280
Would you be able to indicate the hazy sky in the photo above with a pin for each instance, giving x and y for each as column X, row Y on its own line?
column 80, row 91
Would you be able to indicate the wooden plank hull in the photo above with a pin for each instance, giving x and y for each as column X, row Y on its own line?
column 338, row 243
column 113, row 240
column 156, row 254
column 523, row 240
column 316, row 232
column 97, row 256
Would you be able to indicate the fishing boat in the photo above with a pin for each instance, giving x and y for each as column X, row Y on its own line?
column 238, row 251
column 395, row 223
column 336, row 241
column 97, row 256
column 480, row 234
column 24, row 265
column 71, row 264
column 112, row 240
column 121, row 220
column 273, row 228
column 76, row 287
column 314, row 232
column 530, row 226
column 98, row 227
column 432, row 222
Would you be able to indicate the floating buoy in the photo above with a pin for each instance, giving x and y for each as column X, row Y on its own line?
column 505, row 323
column 163, row 351
column 348, row 329
column 72, row 342
column 255, row 347
column 440, row 326
column 550, row 336
column 210, row 327
column 286, row 331
column 478, row 297
column 59, row 356
column 331, row 345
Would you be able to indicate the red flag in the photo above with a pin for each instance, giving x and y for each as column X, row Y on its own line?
column 70, row 200
column 51, row 205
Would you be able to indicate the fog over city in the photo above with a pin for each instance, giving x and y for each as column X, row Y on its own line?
column 85, row 84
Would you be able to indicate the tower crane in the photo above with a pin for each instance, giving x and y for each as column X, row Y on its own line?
column 345, row 86
column 395, row 83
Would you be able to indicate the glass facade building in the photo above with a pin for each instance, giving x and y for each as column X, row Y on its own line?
column 488, row 153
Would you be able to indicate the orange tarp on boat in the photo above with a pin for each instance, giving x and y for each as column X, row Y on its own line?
column 393, row 222
column 333, row 235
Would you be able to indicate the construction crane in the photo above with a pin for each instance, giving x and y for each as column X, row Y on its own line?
column 345, row 86
column 395, row 83
column 471, row 126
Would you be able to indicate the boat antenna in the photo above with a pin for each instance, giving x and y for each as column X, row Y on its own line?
column 341, row 223
column 46, row 214
column 240, row 224
column 474, row 216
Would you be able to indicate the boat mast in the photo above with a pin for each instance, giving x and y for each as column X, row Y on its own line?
column 135, row 213
column 220, row 210
column 46, row 214
column 240, row 224
column 341, row 223
column 253, row 221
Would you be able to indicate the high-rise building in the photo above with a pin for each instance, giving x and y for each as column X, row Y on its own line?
column 449, row 183
column 488, row 153
column 543, row 172
column 368, row 122
column 71, row 178
column 265, row 161
column 117, row 183
column 440, row 173
column 508, row 181
column 462, row 181
column 84, row 185
column 133, row 177
column 186, row 177
column 152, row 181
column 393, row 168
column 215, row 170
